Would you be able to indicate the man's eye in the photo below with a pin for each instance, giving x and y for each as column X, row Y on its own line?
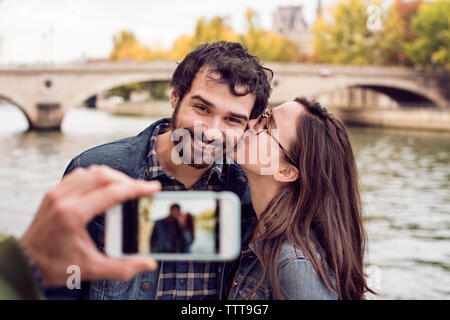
column 201, row 108
column 235, row 120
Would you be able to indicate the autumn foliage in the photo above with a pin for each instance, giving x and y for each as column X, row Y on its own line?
column 412, row 32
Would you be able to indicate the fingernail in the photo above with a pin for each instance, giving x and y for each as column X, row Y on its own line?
column 152, row 264
column 151, row 184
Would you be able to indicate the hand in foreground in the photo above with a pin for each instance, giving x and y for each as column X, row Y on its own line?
column 58, row 238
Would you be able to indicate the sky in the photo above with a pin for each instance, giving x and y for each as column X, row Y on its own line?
column 59, row 31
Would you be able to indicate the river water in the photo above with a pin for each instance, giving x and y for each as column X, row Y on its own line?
column 404, row 176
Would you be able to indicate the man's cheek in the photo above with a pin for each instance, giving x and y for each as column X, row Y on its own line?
column 184, row 117
column 232, row 138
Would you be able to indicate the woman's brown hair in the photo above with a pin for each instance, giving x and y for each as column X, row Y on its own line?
column 319, row 213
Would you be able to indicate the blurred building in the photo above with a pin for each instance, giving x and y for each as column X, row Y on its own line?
column 289, row 21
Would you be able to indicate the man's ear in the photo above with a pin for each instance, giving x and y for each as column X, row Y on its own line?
column 174, row 98
column 286, row 173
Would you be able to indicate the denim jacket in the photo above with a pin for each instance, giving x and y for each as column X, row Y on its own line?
column 297, row 278
column 129, row 156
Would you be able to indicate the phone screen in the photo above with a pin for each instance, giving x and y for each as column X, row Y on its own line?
column 185, row 226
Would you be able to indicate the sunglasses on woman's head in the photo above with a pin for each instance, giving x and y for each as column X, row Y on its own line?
column 265, row 117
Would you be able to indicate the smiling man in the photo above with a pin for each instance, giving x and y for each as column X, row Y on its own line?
column 216, row 89
column 219, row 115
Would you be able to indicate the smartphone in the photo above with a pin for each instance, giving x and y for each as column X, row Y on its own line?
column 176, row 225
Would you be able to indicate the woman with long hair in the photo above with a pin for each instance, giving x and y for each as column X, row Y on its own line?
column 309, row 241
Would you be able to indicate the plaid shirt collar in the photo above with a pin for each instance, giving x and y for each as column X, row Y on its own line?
column 155, row 169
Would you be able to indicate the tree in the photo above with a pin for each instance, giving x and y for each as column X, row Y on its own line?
column 397, row 31
column 345, row 38
column 127, row 47
column 205, row 31
column 431, row 27
column 181, row 47
column 267, row 45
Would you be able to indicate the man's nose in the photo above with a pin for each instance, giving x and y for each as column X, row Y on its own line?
column 214, row 129
column 216, row 123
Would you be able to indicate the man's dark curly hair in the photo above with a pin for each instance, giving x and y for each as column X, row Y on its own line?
column 235, row 67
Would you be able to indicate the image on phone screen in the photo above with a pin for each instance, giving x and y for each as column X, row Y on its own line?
column 186, row 226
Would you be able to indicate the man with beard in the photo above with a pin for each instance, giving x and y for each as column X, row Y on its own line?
column 216, row 89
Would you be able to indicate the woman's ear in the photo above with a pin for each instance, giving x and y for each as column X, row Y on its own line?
column 286, row 173
column 174, row 98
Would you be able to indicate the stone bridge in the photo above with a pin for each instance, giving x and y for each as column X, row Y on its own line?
column 46, row 93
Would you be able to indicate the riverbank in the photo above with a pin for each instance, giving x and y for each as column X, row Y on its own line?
column 404, row 118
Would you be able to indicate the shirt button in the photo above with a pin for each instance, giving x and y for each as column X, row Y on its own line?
column 235, row 283
column 146, row 286
column 182, row 282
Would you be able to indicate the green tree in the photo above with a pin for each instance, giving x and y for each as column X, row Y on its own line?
column 431, row 26
column 158, row 89
column 345, row 38
column 127, row 47
column 396, row 32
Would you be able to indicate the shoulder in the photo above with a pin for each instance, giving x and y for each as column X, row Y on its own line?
column 124, row 154
column 106, row 154
column 298, row 276
column 288, row 253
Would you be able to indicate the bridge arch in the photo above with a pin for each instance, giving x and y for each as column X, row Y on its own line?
column 403, row 97
column 405, row 93
column 113, row 82
column 19, row 106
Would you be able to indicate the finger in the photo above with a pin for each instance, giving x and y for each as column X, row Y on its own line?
column 120, row 269
column 83, row 180
column 100, row 200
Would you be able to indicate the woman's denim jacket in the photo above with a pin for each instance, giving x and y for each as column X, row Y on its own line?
column 297, row 277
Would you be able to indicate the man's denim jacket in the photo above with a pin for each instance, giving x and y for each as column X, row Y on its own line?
column 129, row 155
column 297, row 278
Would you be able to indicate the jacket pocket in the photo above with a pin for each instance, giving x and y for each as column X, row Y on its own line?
column 105, row 289
column 247, row 291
